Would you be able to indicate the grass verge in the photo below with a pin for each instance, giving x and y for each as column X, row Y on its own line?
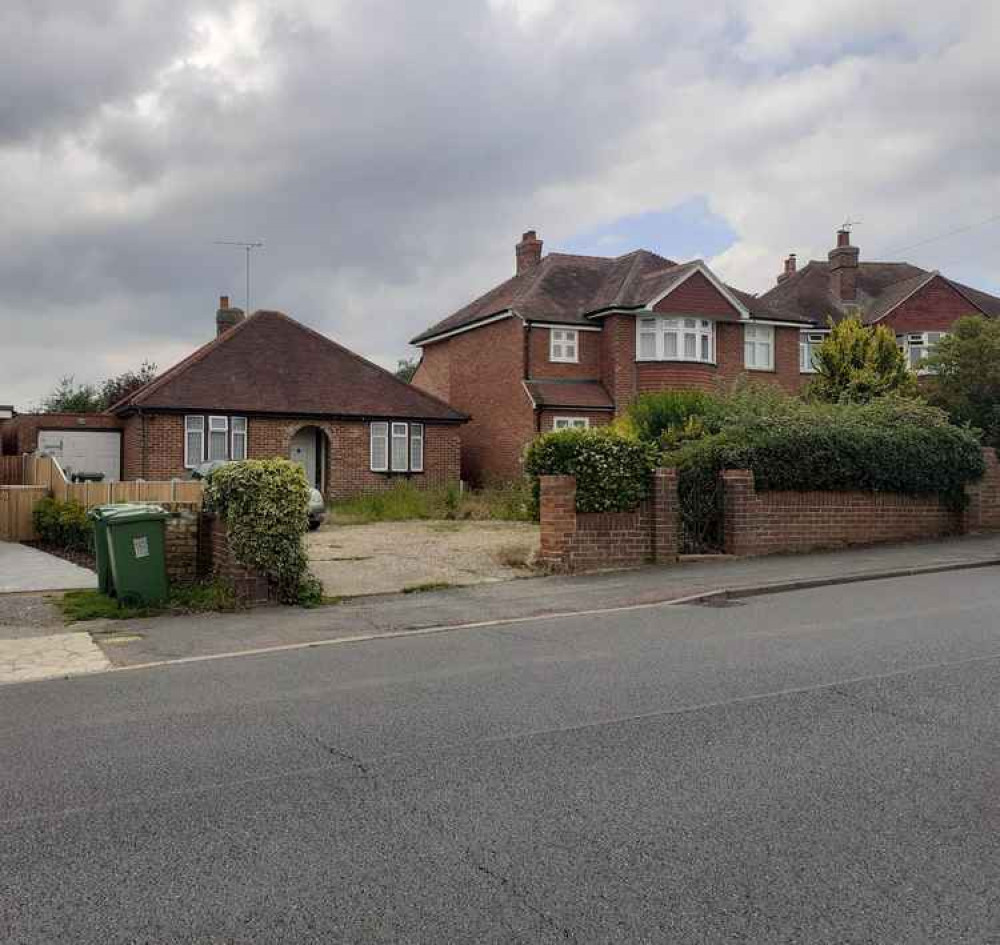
column 79, row 606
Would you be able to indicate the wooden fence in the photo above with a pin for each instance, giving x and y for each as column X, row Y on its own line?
column 42, row 476
column 11, row 471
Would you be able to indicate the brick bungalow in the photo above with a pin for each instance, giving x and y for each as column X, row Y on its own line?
column 572, row 340
column 266, row 386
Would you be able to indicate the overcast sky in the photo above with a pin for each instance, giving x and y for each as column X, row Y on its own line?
column 390, row 152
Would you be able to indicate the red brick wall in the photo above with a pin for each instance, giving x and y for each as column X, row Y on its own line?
column 347, row 472
column 20, row 434
column 697, row 296
column 781, row 522
column 486, row 370
column 597, row 418
column 936, row 307
column 433, row 374
column 588, row 353
column 217, row 562
column 618, row 367
column 572, row 541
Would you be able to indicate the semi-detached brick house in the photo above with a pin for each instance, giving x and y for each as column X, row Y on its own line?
column 572, row 340
column 269, row 386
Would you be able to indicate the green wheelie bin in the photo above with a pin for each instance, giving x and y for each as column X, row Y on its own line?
column 96, row 515
column 137, row 550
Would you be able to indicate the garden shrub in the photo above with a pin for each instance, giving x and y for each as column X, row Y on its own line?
column 651, row 417
column 613, row 472
column 264, row 503
column 63, row 524
column 889, row 445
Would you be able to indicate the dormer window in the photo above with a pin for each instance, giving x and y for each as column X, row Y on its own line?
column 662, row 338
column 564, row 345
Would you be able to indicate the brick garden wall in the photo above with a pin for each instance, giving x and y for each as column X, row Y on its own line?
column 573, row 541
column 181, row 539
column 216, row 562
column 761, row 523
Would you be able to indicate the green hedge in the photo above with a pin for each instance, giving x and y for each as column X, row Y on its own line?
column 613, row 473
column 891, row 445
column 265, row 504
column 63, row 524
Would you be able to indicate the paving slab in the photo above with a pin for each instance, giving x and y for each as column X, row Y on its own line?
column 28, row 569
column 48, row 657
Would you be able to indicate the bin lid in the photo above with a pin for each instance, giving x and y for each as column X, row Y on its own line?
column 108, row 509
column 133, row 512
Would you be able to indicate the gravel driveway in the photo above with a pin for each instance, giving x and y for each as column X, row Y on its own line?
column 392, row 556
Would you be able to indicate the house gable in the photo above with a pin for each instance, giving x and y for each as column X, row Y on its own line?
column 935, row 306
column 697, row 295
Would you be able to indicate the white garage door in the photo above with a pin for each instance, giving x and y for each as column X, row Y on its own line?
column 84, row 451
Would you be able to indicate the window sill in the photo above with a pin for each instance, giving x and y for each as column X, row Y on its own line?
column 676, row 361
column 562, row 361
column 760, row 370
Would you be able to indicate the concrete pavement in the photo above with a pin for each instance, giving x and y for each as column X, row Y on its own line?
column 142, row 641
column 817, row 766
column 28, row 569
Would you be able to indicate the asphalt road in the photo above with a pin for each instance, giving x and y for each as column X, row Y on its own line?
column 815, row 767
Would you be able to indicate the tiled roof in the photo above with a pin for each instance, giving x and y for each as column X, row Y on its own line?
column 881, row 286
column 271, row 363
column 564, row 393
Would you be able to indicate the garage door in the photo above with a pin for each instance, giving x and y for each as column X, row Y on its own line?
column 84, row 451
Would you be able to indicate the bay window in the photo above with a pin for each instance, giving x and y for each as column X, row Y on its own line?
column 663, row 338
column 758, row 347
column 396, row 447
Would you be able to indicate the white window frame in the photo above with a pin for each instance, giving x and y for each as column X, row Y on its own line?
column 564, row 345
column 401, row 432
column 189, row 429
column 416, row 437
column 571, row 423
column 217, row 424
column 378, row 430
column 921, row 344
column 238, row 429
column 808, row 341
column 758, row 347
column 671, row 334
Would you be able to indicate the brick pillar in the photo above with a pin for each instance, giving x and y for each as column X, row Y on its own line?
column 739, row 497
column 982, row 514
column 557, row 514
column 665, row 511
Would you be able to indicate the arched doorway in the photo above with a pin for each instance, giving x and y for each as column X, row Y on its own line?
column 309, row 448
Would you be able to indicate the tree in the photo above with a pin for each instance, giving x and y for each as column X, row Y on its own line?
column 69, row 397
column 857, row 364
column 116, row 388
column 406, row 368
column 964, row 375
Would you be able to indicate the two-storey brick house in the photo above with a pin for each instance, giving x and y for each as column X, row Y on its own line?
column 918, row 305
column 572, row 340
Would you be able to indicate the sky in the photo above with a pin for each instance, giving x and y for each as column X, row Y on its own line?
column 389, row 154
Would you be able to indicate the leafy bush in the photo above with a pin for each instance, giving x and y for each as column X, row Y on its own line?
column 857, row 363
column 613, row 472
column 652, row 416
column 890, row 445
column 264, row 503
column 965, row 375
column 63, row 524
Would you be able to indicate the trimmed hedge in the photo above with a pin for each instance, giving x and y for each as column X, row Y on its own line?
column 613, row 473
column 265, row 505
column 63, row 524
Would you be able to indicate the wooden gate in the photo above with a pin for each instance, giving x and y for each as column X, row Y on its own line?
column 16, row 503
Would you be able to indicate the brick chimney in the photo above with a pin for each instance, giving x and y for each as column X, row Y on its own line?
column 844, row 268
column 227, row 316
column 528, row 252
column 790, row 268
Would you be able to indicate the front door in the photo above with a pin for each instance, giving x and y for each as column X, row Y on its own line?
column 304, row 453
